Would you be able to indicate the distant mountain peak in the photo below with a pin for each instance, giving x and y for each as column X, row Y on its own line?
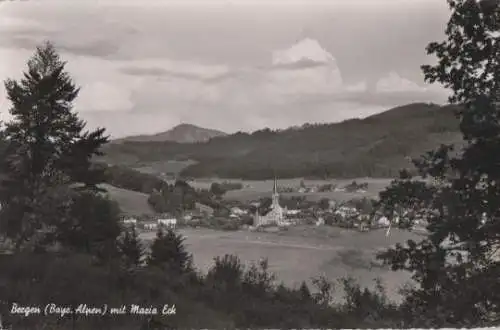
column 182, row 133
column 307, row 49
column 185, row 126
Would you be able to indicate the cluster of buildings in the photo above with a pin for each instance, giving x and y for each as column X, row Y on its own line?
column 239, row 217
column 341, row 215
column 282, row 217
column 167, row 223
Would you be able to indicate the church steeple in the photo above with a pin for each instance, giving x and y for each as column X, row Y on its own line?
column 275, row 197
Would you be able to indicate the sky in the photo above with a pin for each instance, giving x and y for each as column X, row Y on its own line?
column 145, row 66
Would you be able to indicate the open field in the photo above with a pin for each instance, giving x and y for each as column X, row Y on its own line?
column 259, row 189
column 302, row 252
column 253, row 190
column 172, row 166
column 131, row 202
column 135, row 203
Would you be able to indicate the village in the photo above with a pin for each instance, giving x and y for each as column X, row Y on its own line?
column 278, row 213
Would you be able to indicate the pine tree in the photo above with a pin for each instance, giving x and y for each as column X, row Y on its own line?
column 304, row 292
column 131, row 247
column 455, row 266
column 46, row 145
column 168, row 252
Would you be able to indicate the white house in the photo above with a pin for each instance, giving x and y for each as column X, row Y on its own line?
column 150, row 226
column 384, row 222
column 292, row 212
column 130, row 221
column 346, row 211
column 169, row 223
column 237, row 211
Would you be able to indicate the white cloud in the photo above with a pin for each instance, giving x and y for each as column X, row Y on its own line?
column 11, row 65
column 306, row 49
column 142, row 96
column 13, row 23
column 130, row 85
column 103, row 97
column 393, row 82
column 359, row 87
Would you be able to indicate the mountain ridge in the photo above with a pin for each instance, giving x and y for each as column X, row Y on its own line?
column 182, row 133
column 376, row 146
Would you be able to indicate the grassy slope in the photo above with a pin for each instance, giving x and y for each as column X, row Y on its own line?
column 130, row 202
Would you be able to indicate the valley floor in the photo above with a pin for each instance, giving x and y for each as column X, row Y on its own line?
column 302, row 252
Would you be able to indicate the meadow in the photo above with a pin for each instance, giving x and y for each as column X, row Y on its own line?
column 253, row 190
column 130, row 202
column 302, row 253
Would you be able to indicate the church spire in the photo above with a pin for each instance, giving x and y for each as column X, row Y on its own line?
column 275, row 187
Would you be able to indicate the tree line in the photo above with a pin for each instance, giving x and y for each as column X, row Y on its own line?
column 165, row 197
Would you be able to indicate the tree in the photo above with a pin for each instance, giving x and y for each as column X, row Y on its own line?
column 224, row 279
column 364, row 205
column 264, row 205
column 305, row 293
column 157, row 201
column 455, row 265
column 168, row 252
column 325, row 290
column 217, row 189
column 324, row 203
column 366, row 305
column 46, row 144
column 131, row 248
column 258, row 279
column 92, row 225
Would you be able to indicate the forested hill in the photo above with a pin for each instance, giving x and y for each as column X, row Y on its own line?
column 183, row 133
column 377, row 146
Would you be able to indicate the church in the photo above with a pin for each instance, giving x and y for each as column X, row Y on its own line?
column 275, row 217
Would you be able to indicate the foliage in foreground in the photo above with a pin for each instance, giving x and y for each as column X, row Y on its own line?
column 457, row 266
column 230, row 295
column 47, row 154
